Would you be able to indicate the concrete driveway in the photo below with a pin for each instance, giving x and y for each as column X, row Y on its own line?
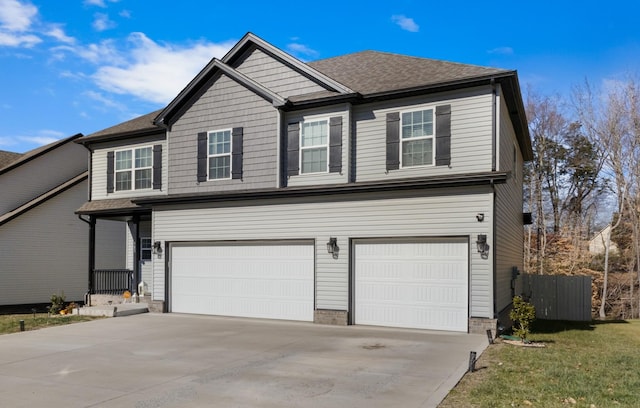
column 171, row 360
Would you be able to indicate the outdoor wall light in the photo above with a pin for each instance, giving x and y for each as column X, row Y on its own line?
column 157, row 247
column 483, row 247
column 332, row 245
column 480, row 217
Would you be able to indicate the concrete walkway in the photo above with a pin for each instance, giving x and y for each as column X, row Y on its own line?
column 171, row 360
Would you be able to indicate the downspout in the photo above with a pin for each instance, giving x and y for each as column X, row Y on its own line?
column 494, row 136
column 92, row 256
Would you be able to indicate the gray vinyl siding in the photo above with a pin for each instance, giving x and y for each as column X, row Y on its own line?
column 509, row 228
column 275, row 75
column 45, row 251
column 396, row 214
column 319, row 114
column 225, row 105
column 41, row 174
column 471, row 134
column 99, row 168
column 110, row 247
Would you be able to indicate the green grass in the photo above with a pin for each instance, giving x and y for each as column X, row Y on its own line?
column 583, row 365
column 11, row 323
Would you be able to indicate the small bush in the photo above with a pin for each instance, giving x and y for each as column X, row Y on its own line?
column 57, row 303
column 522, row 314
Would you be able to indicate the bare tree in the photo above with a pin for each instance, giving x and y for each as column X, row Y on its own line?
column 607, row 118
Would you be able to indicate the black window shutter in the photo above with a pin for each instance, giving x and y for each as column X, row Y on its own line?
column 236, row 153
column 110, row 171
column 202, row 156
column 335, row 144
column 443, row 135
column 293, row 149
column 157, row 167
column 393, row 141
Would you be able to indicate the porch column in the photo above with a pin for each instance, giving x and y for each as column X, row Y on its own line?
column 136, row 255
column 92, row 255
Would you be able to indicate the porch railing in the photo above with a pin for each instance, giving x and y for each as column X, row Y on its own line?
column 112, row 281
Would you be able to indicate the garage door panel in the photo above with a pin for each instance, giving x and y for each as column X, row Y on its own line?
column 264, row 281
column 415, row 285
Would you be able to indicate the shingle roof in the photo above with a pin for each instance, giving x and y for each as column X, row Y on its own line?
column 372, row 72
column 6, row 158
column 113, row 205
column 140, row 124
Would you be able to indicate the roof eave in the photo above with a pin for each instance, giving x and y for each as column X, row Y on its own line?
column 88, row 140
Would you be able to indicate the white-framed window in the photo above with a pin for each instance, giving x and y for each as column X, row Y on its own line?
column 314, row 146
column 219, row 142
column 145, row 249
column 417, row 138
column 134, row 169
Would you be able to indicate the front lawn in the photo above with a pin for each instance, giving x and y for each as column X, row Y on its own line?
column 11, row 323
column 583, row 365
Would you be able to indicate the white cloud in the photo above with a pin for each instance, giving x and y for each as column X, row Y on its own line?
column 104, row 52
column 125, row 14
column 156, row 72
column 58, row 33
column 16, row 16
column 102, row 22
column 98, row 3
column 501, row 51
column 405, row 23
column 42, row 137
column 105, row 101
column 18, row 40
column 16, row 19
column 301, row 49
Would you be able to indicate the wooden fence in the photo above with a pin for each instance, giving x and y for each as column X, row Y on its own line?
column 559, row 297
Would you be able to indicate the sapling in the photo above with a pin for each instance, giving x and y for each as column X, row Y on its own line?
column 522, row 314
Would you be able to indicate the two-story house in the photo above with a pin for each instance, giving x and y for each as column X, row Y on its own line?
column 369, row 188
column 43, row 244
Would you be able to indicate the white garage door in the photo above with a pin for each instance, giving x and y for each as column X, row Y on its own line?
column 414, row 285
column 265, row 281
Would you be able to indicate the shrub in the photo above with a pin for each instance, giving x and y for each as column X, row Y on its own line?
column 57, row 303
column 522, row 314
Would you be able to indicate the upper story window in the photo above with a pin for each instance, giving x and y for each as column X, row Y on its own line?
column 134, row 169
column 314, row 147
column 219, row 154
column 417, row 138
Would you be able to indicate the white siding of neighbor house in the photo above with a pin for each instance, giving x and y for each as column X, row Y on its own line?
column 34, row 178
column 318, row 114
column 471, row 126
column 275, row 75
column 394, row 214
column 45, row 251
column 99, row 168
column 509, row 227
column 224, row 105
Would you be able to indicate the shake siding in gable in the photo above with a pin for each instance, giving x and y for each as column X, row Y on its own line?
column 225, row 105
column 275, row 75
column 395, row 214
column 509, row 228
column 470, row 135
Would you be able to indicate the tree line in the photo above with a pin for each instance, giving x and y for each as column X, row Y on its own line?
column 585, row 176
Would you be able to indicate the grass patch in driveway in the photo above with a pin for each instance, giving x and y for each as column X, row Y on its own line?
column 583, row 365
column 11, row 323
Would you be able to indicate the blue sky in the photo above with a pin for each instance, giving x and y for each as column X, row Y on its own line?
column 78, row 66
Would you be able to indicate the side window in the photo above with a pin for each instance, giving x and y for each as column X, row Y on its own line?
column 417, row 138
column 219, row 143
column 314, row 147
column 145, row 249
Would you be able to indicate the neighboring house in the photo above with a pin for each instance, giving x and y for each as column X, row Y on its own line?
column 598, row 243
column 369, row 188
column 43, row 244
